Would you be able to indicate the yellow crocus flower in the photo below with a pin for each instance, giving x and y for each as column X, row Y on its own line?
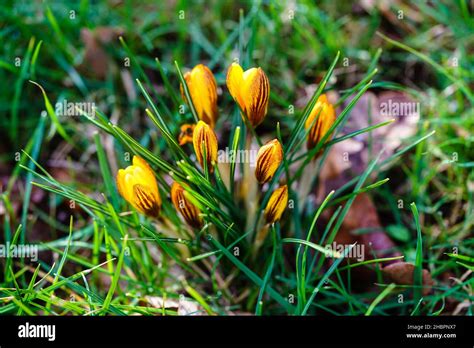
column 203, row 90
column 326, row 118
column 251, row 90
column 137, row 185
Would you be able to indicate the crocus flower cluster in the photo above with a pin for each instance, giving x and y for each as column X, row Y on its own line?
column 251, row 91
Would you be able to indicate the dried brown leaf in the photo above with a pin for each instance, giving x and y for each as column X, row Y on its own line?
column 96, row 60
column 402, row 273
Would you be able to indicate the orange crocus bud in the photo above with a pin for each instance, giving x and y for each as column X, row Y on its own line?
column 187, row 209
column 276, row 204
column 269, row 157
column 326, row 116
column 205, row 144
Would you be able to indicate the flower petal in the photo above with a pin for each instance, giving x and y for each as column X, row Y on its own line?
column 234, row 82
column 203, row 135
column 137, row 185
column 255, row 92
column 276, row 204
column 187, row 209
column 269, row 157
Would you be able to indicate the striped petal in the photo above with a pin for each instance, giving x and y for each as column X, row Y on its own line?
column 203, row 89
column 269, row 157
column 205, row 139
column 276, row 204
column 185, row 207
column 137, row 185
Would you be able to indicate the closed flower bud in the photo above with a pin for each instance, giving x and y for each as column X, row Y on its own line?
column 251, row 90
column 205, row 143
column 269, row 158
column 137, row 185
column 203, row 90
column 276, row 204
column 187, row 209
column 186, row 134
column 321, row 124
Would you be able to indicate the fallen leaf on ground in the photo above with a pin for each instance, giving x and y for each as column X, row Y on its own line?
column 402, row 273
column 160, row 302
column 362, row 226
column 96, row 60
column 362, row 215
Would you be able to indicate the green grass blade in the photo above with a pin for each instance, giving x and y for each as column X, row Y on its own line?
column 418, row 273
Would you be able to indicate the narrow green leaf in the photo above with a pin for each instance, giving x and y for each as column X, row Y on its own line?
column 418, row 273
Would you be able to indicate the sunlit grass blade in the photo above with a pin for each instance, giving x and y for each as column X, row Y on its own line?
column 106, row 174
column 379, row 298
column 38, row 139
column 189, row 100
column 324, row 278
column 418, row 273
column 115, row 277
column 309, row 107
column 54, row 118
